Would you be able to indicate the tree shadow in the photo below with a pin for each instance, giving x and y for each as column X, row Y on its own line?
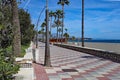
column 42, row 64
column 89, row 57
column 94, row 57
column 39, row 64
column 41, row 46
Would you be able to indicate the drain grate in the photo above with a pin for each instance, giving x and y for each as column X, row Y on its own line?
column 25, row 65
column 69, row 70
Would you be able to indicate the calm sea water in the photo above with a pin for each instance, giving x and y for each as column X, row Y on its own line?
column 98, row 40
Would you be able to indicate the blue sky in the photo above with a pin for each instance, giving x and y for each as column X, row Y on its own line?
column 102, row 17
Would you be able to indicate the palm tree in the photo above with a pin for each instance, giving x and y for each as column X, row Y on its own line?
column 66, row 35
column 47, row 61
column 66, row 30
column 73, row 38
column 59, row 30
column 63, row 2
column 82, row 23
column 43, row 25
column 16, row 29
column 42, row 33
column 58, row 22
column 51, row 14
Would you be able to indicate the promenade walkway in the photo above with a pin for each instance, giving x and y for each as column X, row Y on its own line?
column 26, row 71
column 72, row 65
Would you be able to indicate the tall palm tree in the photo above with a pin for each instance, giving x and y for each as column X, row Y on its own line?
column 66, row 30
column 66, row 35
column 42, row 33
column 59, row 30
column 58, row 22
column 51, row 14
column 73, row 38
column 82, row 23
column 63, row 3
column 43, row 25
column 16, row 29
column 59, row 14
column 47, row 61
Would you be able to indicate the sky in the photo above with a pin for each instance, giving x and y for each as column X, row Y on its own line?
column 102, row 17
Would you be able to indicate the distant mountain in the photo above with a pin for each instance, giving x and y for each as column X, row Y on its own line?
column 81, row 38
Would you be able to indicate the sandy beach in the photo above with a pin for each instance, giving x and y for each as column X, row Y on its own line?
column 115, row 47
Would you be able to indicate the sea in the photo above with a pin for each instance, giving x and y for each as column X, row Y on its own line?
column 98, row 40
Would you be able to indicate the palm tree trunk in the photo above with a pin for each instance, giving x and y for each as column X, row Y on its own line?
column 57, row 33
column 50, row 27
column 62, row 23
column 43, row 36
column 16, row 29
column 37, row 39
column 47, row 61
column 82, row 23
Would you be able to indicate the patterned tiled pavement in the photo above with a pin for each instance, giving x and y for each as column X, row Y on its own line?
column 72, row 65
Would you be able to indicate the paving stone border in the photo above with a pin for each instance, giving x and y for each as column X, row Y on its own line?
column 26, row 65
column 113, row 56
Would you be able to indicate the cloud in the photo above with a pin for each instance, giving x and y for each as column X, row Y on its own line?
column 101, row 16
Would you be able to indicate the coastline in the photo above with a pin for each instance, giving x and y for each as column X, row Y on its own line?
column 114, row 47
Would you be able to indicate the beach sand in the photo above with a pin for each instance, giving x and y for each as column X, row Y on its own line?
column 115, row 47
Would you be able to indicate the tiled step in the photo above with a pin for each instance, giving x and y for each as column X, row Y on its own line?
column 26, row 65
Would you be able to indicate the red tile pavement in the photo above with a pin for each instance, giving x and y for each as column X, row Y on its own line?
column 76, row 76
column 103, row 78
column 87, row 68
column 39, row 72
column 67, row 79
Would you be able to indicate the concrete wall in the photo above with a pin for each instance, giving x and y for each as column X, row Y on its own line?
column 96, row 52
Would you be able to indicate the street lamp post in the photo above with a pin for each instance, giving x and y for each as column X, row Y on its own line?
column 47, row 61
column 36, row 38
column 82, row 23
